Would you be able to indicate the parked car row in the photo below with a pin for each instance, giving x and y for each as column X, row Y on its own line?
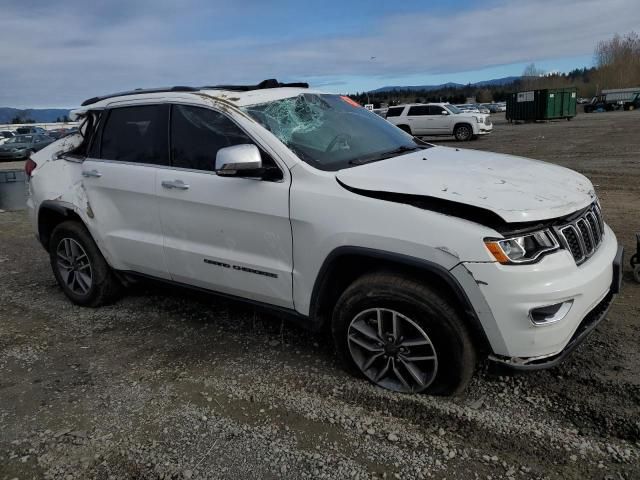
column 21, row 142
column 483, row 107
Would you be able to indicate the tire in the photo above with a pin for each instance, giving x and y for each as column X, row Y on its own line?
column 633, row 261
column 79, row 267
column 431, row 319
column 405, row 128
column 636, row 273
column 463, row 132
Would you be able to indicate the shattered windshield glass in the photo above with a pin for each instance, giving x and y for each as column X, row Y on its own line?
column 332, row 132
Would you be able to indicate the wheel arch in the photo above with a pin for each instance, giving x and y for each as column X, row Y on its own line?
column 50, row 214
column 467, row 123
column 345, row 264
column 404, row 127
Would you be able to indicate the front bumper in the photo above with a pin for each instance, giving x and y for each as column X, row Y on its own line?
column 510, row 292
column 484, row 128
column 588, row 324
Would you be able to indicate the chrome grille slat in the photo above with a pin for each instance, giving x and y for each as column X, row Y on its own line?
column 595, row 227
column 583, row 236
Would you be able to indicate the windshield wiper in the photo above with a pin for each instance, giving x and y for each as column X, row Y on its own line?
column 383, row 155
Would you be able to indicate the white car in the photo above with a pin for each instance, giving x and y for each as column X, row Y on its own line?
column 420, row 119
column 467, row 108
column 5, row 135
column 419, row 259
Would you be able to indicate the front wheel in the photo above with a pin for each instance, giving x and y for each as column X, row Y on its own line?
column 79, row 267
column 463, row 132
column 403, row 336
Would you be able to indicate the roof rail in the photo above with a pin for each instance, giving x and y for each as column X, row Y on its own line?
column 270, row 83
column 138, row 91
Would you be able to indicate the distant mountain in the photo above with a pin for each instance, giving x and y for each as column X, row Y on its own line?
column 484, row 83
column 43, row 115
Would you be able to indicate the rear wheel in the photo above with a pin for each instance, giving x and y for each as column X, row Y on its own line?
column 463, row 132
column 403, row 336
column 79, row 267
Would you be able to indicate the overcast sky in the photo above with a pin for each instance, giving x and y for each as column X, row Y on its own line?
column 56, row 54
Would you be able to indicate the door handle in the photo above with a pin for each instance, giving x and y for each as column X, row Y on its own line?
column 91, row 173
column 179, row 184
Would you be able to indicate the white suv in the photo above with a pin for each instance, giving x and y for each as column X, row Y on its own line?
column 419, row 259
column 439, row 119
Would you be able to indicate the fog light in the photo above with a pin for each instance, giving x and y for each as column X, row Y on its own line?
column 550, row 313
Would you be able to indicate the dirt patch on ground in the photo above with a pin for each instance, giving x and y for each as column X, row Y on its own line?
column 170, row 384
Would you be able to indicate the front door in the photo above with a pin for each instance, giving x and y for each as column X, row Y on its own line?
column 419, row 121
column 227, row 234
column 440, row 119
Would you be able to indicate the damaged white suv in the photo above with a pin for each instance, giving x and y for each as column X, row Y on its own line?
column 420, row 259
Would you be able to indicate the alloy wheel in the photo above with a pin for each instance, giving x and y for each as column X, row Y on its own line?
column 464, row 133
column 392, row 350
column 74, row 266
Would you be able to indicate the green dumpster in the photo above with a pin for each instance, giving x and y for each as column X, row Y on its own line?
column 544, row 104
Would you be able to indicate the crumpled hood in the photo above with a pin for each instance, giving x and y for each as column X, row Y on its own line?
column 515, row 188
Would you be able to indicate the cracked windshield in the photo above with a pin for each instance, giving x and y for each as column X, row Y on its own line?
column 331, row 132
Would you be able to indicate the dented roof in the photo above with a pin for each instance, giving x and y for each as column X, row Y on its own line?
column 204, row 96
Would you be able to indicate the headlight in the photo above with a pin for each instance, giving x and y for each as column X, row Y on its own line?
column 522, row 249
column 478, row 119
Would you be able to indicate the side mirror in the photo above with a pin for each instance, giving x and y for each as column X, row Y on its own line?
column 238, row 161
column 444, row 112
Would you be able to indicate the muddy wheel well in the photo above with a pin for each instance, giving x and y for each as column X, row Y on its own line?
column 50, row 216
column 343, row 267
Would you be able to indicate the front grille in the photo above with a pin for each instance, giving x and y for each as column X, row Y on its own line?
column 583, row 236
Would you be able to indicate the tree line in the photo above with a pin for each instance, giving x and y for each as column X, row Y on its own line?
column 22, row 119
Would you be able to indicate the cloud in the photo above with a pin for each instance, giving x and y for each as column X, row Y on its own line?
column 58, row 54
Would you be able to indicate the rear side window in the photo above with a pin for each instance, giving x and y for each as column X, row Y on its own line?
column 198, row 133
column 137, row 135
column 418, row 110
column 394, row 111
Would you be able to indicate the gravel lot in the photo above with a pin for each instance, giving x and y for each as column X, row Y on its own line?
column 171, row 384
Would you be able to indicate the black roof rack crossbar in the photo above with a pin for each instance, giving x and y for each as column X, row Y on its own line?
column 270, row 83
column 138, row 91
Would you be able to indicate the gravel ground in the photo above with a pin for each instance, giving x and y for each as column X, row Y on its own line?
column 171, row 384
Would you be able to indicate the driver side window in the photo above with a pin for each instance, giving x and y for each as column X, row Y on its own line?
column 198, row 133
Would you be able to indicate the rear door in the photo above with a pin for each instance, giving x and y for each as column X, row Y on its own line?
column 119, row 178
column 419, row 121
column 227, row 234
